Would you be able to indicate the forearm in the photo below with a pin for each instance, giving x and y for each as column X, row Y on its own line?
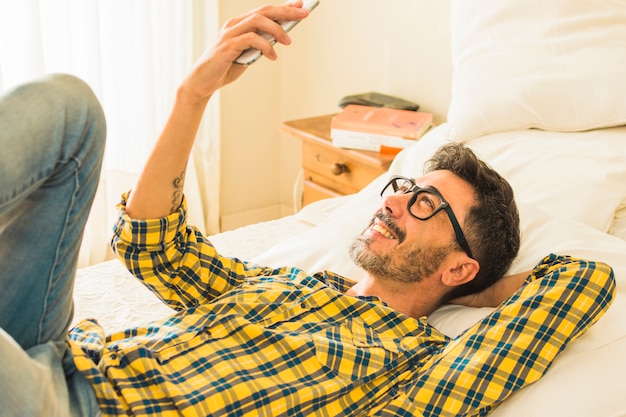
column 494, row 295
column 503, row 289
column 159, row 190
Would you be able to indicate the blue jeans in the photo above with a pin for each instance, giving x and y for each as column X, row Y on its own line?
column 52, row 135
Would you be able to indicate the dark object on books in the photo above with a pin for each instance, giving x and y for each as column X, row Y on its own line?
column 378, row 100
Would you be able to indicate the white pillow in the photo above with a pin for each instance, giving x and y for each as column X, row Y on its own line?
column 579, row 176
column 555, row 65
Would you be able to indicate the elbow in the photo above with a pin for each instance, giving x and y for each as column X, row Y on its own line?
column 604, row 281
column 601, row 277
column 597, row 284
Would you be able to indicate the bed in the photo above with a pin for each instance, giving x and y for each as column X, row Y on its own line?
column 539, row 93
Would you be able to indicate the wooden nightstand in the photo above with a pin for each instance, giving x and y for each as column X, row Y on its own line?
column 330, row 171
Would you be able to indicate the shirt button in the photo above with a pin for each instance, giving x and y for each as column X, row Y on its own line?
column 303, row 305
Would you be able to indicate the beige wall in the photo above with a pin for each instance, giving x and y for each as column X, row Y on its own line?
column 399, row 47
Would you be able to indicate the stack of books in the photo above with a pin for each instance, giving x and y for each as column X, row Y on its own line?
column 378, row 128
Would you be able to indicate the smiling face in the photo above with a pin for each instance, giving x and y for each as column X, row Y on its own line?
column 399, row 247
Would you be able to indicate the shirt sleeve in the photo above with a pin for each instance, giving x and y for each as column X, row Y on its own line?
column 516, row 344
column 174, row 260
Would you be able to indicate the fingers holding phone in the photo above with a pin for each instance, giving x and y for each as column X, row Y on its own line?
column 263, row 40
column 253, row 33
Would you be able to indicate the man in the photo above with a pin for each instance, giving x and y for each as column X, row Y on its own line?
column 251, row 340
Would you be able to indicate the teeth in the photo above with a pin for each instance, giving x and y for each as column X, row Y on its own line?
column 383, row 231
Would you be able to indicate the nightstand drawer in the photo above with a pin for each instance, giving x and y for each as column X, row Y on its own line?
column 314, row 192
column 330, row 171
column 332, row 168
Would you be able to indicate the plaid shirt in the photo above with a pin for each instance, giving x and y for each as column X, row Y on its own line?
column 254, row 341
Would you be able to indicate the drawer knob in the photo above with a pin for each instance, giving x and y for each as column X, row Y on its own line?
column 338, row 169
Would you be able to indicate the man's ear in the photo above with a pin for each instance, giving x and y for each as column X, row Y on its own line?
column 462, row 271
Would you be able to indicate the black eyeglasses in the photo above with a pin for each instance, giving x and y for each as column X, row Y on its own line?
column 424, row 204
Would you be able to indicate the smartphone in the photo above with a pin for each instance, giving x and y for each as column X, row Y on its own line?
column 250, row 55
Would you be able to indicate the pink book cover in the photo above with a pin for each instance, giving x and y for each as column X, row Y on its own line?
column 384, row 121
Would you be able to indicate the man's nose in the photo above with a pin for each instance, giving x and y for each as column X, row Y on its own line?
column 396, row 204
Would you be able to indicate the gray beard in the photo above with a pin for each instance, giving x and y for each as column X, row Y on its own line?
column 413, row 267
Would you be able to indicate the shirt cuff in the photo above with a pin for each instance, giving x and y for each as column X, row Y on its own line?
column 148, row 234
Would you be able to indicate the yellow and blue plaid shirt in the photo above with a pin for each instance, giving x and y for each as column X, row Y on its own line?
column 254, row 341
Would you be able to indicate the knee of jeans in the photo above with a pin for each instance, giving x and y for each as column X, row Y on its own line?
column 67, row 84
column 74, row 91
column 73, row 100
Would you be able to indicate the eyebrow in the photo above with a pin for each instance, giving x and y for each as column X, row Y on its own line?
column 436, row 190
column 431, row 188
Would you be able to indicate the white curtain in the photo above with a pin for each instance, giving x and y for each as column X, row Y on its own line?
column 134, row 54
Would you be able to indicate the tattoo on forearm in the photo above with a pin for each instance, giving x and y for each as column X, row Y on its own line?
column 177, row 197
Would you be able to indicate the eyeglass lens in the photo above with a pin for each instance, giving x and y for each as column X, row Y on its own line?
column 424, row 203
